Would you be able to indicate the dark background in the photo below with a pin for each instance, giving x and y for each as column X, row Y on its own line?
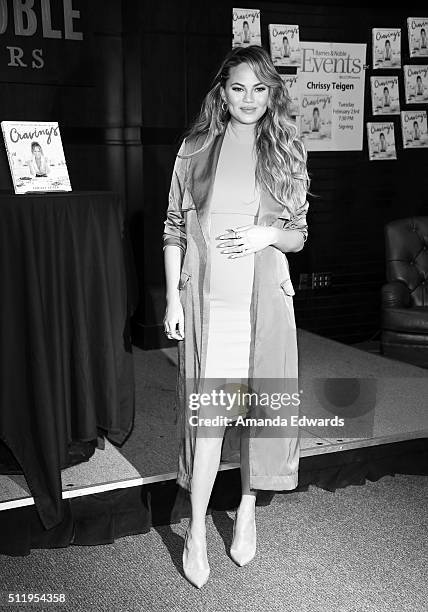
column 124, row 95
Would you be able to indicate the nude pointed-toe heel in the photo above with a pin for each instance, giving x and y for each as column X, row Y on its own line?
column 197, row 576
column 244, row 553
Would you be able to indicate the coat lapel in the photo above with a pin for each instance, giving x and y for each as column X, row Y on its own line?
column 202, row 174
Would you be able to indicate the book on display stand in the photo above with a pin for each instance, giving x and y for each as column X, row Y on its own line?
column 36, row 156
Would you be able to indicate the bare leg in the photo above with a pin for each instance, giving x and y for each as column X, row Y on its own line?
column 205, row 467
column 248, row 495
column 243, row 547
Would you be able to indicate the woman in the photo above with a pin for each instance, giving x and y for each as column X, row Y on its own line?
column 416, row 131
column 387, row 54
column 382, row 143
column 246, row 33
column 386, row 98
column 237, row 204
column 38, row 164
column 316, row 120
column 285, row 47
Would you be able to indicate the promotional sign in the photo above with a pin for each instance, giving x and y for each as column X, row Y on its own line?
column 44, row 42
column 245, row 27
column 284, row 44
column 414, row 129
column 292, row 86
column 381, row 141
column 331, row 86
column 385, row 95
column 417, row 29
column 386, row 47
column 416, row 83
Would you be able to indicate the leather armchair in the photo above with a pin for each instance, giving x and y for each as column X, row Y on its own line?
column 405, row 296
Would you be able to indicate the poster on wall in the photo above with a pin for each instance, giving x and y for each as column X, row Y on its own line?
column 284, row 44
column 417, row 28
column 416, row 83
column 381, row 141
column 331, row 88
column 291, row 84
column 316, row 118
column 36, row 157
column 385, row 95
column 386, row 47
column 246, row 27
column 414, row 129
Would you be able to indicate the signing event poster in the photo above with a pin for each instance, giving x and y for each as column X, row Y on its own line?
column 385, row 96
column 36, row 157
column 417, row 29
column 381, row 141
column 331, row 90
column 414, row 129
column 246, row 27
column 386, row 47
column 416, row 83
column 284, row 44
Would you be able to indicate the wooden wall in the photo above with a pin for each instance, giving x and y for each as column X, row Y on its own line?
column 125, row 94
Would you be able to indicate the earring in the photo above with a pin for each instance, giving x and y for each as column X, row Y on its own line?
column 224, row 106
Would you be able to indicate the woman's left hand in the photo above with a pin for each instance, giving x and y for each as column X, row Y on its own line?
column 245, row 240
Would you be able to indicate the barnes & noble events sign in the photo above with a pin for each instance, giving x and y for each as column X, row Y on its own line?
column 41, row 40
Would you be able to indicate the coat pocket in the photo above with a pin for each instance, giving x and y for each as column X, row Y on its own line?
column 287, row 287
column 184, row 279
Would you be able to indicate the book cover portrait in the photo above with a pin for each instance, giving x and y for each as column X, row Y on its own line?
column 416, row 83
column 36, row 157
column 417, row 29
column 386, row 47
column 246, row 27
column 381, row 141
column 284, row 44
column 414, row 129
column 385, row 95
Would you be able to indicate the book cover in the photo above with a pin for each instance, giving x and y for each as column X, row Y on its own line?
column 417, row 28
column 36, row 157
column 315, row 117
column 291, row 83
column 385, row 95
column 416, row 83
column 284, row 44
column 386, row 47
column 381, row 141
column 246, row 27
column 414, row 129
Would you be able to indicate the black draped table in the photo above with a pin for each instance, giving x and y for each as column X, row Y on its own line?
column 66, row 370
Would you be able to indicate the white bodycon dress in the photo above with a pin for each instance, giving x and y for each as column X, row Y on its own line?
column 235, row 202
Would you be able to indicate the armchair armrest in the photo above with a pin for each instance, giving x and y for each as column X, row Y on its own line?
column 395, row 294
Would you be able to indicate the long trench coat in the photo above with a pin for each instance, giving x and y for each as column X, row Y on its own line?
column 273, row 452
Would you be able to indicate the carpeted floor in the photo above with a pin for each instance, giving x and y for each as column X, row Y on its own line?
column 360, row 549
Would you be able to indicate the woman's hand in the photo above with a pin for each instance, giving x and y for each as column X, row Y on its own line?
column 173, row 320
column 246, row 239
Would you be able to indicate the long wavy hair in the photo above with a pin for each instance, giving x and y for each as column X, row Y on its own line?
column 281, row 156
